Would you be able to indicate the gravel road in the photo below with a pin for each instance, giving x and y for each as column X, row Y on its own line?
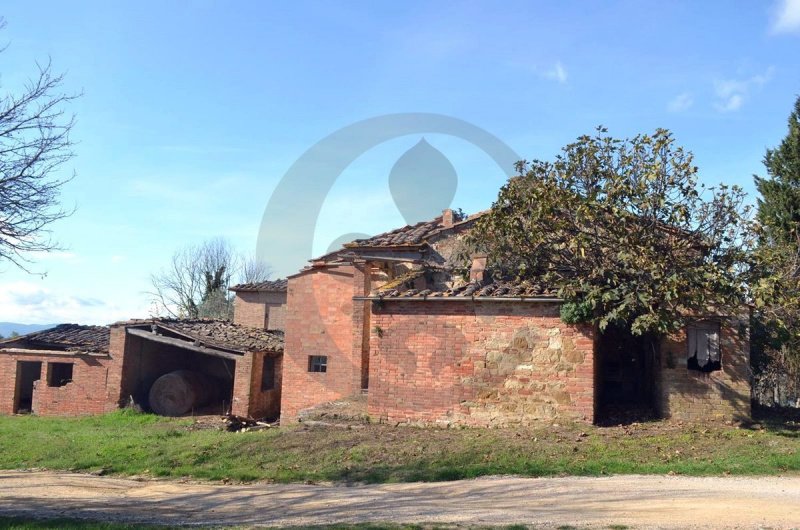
column 635, row 501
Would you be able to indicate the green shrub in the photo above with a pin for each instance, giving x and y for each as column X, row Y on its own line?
column 576, row 312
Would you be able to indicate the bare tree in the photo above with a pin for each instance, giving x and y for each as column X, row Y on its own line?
column 198, row 276
column 254, row 270
column 195, row 284
column 34, row 143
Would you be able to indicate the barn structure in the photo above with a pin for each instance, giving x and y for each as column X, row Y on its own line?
column 73, row 369
column 409, row 318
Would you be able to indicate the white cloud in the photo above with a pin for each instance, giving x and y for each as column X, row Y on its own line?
column 30, row 303
column 730, row 103
column 787, row 17
column 681, row 102
column 732, row 93
column 556, row 73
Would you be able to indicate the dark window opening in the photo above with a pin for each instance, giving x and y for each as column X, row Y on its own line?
column 268, row 374
column 317, row 363
column 704, row 350
column 59, row 374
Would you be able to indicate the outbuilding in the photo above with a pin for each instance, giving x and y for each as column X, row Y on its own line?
column 64, row 370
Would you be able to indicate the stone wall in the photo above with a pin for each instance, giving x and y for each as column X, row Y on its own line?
column 691, row 395
column 478, row 363
column 323, row 319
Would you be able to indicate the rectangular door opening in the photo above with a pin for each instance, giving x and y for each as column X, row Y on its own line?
column 28, row 372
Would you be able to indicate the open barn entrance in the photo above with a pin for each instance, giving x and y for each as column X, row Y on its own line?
column 625, row 372
column 181, row 378
column 28, row 372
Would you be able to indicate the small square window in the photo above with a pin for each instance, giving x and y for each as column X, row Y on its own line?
column 59, row 374
column 268, row 374
column 704, row 350
column 317, row 363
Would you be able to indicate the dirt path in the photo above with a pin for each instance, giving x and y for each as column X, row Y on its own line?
column 636, row 501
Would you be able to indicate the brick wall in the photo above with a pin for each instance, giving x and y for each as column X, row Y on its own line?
column 266, row 310
column 323, row 319
column 242, row 384
column 691, row 395
column 264, row 403
column 86, row 394
column 478, row 363
column 116, row 392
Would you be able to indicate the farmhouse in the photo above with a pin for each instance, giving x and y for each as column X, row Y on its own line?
column 404, row 318
column 408, row 318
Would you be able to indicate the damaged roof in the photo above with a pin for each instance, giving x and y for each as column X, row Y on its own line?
column 65, row 337
column 272, row 286
column 414, row 235
column 411, row 235
column 497, row 289
column 221, row 334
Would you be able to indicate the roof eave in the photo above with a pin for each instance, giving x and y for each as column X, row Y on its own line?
column 254, row 290
column 428, row 298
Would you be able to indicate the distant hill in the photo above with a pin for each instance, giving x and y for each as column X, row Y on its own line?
column 7, row 328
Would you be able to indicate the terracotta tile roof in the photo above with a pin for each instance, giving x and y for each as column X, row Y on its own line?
column 496, row 289
column 217, row 333
column 407, row 236
column 268, row 286
column 415, row 234
column 65, row 337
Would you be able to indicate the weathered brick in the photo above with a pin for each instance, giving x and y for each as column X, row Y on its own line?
column 477, row 363
column 323, row 319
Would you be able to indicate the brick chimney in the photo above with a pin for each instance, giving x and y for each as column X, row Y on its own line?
column 478, row 269
column 448, row 218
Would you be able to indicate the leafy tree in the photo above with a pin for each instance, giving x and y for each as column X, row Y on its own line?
column 34, row 143
column 776, row 274
column 623, row 230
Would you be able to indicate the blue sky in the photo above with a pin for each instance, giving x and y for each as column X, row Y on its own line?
column 193, row 111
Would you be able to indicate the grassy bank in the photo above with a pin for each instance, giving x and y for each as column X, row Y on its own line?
column 142, row 444
column 24, row 523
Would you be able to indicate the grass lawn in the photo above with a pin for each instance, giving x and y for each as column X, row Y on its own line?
column 22, row 523
column 142, row 444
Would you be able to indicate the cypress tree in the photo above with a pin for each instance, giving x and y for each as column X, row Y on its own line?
column 779, row 204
